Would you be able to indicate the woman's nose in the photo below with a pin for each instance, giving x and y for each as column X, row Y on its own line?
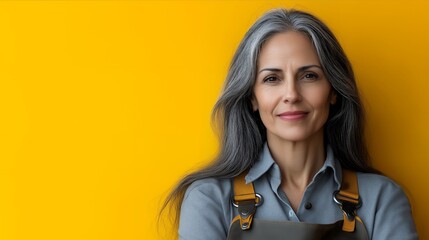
column 291, row 93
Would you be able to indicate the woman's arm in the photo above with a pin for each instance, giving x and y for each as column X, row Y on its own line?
column 205, row 210
column 385, row 209
column 393, row 218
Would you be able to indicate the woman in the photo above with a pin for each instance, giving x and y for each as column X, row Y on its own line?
column 292, row 124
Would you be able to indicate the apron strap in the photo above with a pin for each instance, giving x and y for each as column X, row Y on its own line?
column 348, row 199
column 246, row 200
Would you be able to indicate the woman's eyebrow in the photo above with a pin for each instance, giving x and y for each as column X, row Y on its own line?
column 300, row 69
column 271, row 69
column 303, row 68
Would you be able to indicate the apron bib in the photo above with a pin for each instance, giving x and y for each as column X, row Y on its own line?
column 243, row 226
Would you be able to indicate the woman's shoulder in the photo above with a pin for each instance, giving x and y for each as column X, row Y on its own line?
column 377, row 182
column 381, row 191
column 210, row 187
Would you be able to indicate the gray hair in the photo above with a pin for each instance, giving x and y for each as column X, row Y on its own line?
column 242, row 131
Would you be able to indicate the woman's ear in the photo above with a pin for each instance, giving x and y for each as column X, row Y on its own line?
column 333, row 97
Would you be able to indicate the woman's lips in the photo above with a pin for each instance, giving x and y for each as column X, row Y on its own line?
column 293, row 115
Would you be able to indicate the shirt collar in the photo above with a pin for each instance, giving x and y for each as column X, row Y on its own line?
column 332, row 163
column 261, row 166
column 266, row 161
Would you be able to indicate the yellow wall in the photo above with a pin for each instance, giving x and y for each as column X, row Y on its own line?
column 104, row 105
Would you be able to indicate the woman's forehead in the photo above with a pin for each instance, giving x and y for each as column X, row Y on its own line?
column 287, row 48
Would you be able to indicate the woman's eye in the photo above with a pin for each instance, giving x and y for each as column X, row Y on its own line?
column 271, row 79
column 310, row 76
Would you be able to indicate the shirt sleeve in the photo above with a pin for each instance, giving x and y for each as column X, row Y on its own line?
column 202, row 214
column 393, row 217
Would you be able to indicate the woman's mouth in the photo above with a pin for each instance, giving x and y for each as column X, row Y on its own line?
column 293, row 115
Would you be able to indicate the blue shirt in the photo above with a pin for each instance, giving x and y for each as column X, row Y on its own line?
column 207, row 210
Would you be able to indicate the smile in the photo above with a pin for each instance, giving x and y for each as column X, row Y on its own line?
column 294, row 115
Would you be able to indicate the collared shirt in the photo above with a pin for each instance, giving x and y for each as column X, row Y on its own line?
column 207, row 210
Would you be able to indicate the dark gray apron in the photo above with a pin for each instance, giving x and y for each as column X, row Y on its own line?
column 277, row 230
column 245, row 227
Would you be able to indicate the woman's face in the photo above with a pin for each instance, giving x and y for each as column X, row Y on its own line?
column 291, row 91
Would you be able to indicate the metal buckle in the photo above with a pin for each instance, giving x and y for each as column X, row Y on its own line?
column 259, row 201
column 348, row 208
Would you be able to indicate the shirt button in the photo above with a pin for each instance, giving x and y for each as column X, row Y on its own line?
column 308, row 205
column 291, row 213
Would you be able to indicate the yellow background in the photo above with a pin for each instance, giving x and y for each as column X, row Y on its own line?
column 106, row 104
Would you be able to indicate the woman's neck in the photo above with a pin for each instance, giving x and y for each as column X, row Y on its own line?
column 298, row 161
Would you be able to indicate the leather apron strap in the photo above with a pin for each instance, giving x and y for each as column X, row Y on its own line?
column 246, row 200
column 348, row 199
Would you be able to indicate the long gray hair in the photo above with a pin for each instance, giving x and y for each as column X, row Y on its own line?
column 242, row 132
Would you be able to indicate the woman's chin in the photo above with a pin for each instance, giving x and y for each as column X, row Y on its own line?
column 294, row 136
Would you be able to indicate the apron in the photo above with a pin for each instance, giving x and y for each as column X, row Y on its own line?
column 243, row 226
